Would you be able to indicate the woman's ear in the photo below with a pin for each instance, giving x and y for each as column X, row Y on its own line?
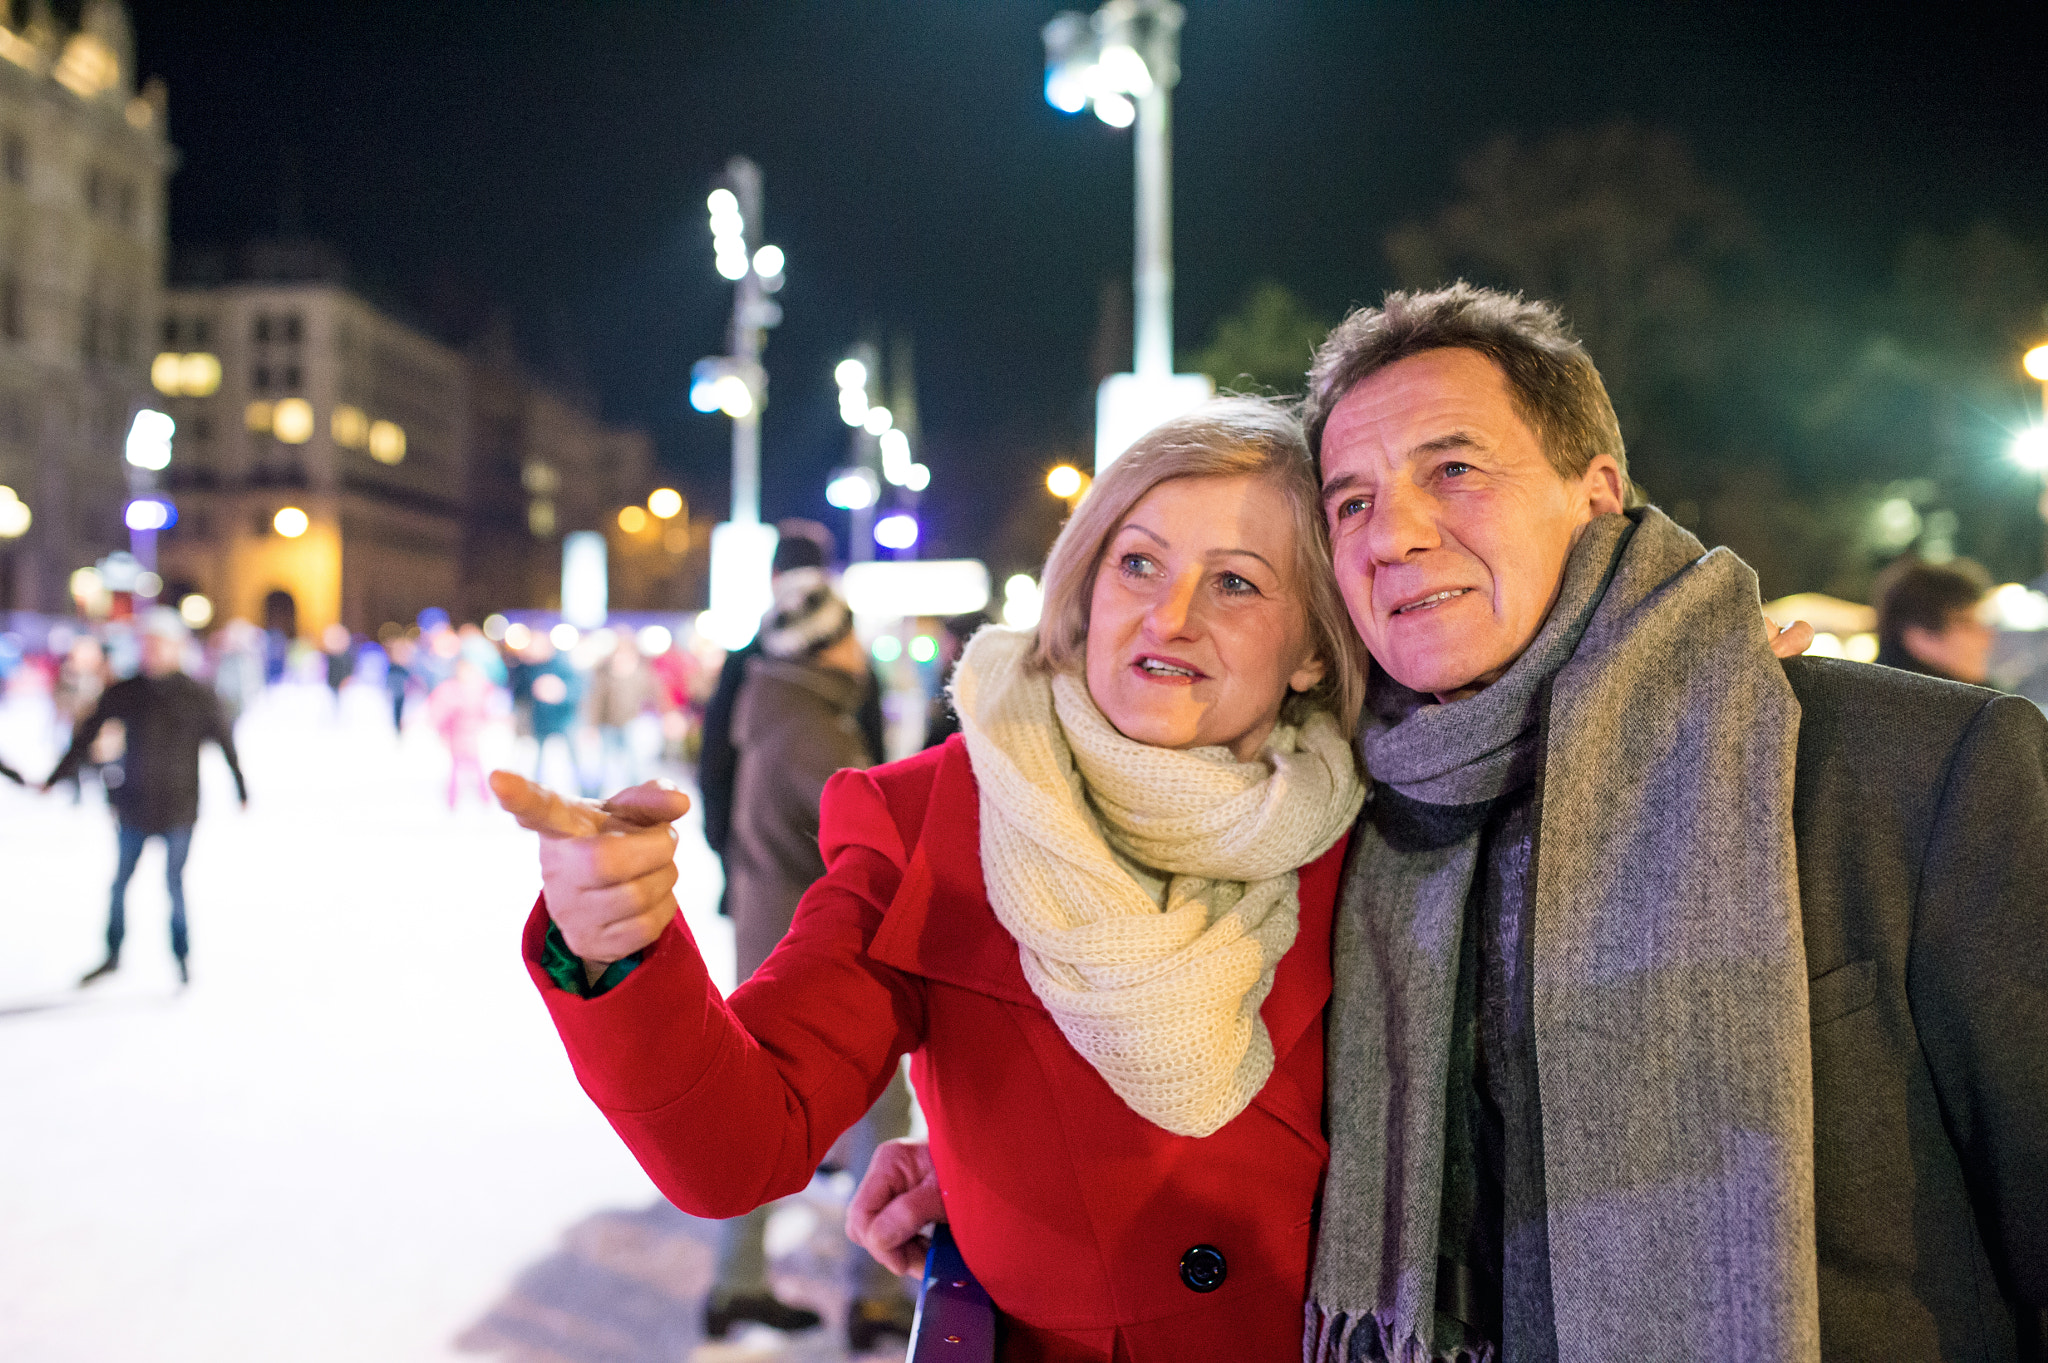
column 1308, row 676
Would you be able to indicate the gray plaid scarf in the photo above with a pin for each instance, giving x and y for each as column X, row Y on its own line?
column 1670, row 987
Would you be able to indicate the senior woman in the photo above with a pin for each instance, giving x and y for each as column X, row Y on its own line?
column 1098, row 920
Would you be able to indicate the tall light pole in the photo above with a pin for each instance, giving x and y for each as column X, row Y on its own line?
column 736, row 384
column 1125, row 60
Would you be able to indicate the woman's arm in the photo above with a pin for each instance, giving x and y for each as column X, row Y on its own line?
column 729, row 1104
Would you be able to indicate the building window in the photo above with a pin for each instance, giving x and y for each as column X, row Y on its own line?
column 202, row 429
column 14, row 158
column 261, row 331
column 291, row 378
column 199, row 333
column 292, row 329
column 260, row 379
column 10, row 308
column 170, row 333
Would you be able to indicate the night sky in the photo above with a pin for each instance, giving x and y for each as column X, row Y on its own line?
column 547, row 164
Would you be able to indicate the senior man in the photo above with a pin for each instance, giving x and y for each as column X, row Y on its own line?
column 1689, row 1004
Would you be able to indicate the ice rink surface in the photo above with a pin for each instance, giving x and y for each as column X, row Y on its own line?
column 354, row 1136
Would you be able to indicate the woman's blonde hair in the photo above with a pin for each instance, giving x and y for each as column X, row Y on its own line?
column 1226, row 437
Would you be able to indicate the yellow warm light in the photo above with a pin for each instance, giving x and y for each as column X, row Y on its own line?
column 257, row 416
column 632, row 520
column 1063, row 481
column 140, row 113
column 291, row 522
column 199, row 374
column 167, row 373
column 292, row 421
column 350, row 428
column 387, row 442
column 196, row 611
column 677, row 540
column 17, row 49
column 665, row 502
column 87, row 67
column 2036, row 362
column 14, row 515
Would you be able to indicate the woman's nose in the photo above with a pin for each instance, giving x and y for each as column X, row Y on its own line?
column 1172, row 612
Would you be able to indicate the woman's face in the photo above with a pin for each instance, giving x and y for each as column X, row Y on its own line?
column 1197, row 629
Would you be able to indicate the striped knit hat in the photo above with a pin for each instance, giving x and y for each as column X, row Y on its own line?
column 807, row 617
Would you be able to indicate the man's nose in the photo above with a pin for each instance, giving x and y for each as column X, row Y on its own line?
column 1403, row 524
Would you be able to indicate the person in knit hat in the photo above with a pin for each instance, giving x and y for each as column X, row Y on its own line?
column 802, row 545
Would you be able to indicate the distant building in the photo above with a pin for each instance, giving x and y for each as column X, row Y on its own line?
column 334, row 464
column 84, row 160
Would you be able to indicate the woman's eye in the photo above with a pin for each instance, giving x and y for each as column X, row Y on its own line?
column 1234, row 585
column 1134, row 565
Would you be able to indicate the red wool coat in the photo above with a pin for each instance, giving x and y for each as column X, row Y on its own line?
column 1074, row 1212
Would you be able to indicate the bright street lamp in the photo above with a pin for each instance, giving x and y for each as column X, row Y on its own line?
column 1065, row 482
column 1125, row 60
column 2035, row 362
column 2030, row 449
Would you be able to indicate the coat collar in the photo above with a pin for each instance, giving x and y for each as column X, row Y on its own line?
column 941, row 926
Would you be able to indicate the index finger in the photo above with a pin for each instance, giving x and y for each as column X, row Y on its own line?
column 541, row 810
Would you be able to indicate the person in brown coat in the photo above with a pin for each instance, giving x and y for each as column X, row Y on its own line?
column 796, row 721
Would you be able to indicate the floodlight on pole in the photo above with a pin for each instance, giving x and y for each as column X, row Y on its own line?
column 1125, row 60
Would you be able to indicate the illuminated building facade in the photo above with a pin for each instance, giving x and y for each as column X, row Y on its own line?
column 84, row 160
column 422, row 477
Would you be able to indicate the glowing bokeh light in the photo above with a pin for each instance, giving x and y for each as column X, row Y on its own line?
column 564, row 636
column 665, row 503
column 149, row 513
column 768, row 262
column 292, row 421
column 896, row 532
column 852, row 490
column 1113, row 109
column 196, row 611
column 917, row 477
column 654, row 640
column 877, row 420
column 14, row 515
column 495, row 626
column 923, row 648
column 851, row 374
column 2030, row 448
column 1063, row 481
column 887, row 648
column 1021, row 601
column 2035, row 362
column 387, row 442
column 291, row 522
column 349, row 427
column 517, row 636
column 149, row 440
column 632, row 519
column 1121, row 69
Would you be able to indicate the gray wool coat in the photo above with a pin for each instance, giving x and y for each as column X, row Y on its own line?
column 1920, row 810
column 794, row 724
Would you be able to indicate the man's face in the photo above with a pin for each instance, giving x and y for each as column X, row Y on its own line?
column 1961, row 649
column 162, row 655
column 1449, row 527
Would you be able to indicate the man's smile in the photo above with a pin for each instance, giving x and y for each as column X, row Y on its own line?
column 1431, row 601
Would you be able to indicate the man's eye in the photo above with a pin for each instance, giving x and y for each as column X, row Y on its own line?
column 1454, row 468
column 1351, row 506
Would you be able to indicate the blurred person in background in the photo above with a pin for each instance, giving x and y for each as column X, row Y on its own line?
column 475, row 646
column 238, row 668
column 398, row 654
column 621, row 688
column 80, row 679
column 549, row 687
column 802, row 546
column 339, row 646
column 167, row 716
column 460, row 707
column 1930, row 619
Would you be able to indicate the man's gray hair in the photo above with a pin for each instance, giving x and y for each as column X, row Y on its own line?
column 1550, row 378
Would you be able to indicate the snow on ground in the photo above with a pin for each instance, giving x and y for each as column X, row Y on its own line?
column 355, row 1135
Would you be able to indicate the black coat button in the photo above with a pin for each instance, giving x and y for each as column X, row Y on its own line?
column 1203, row 1269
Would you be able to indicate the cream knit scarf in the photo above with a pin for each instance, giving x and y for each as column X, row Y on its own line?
column 1152, row 891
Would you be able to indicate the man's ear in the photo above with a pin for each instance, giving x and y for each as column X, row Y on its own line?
column 1603, row 482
